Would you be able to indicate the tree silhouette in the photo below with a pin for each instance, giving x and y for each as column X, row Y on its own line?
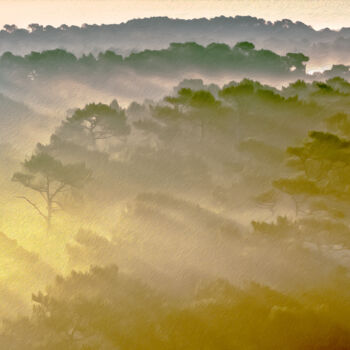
column 199, row 106
column 50, row 178
column 96, row 122
column 323, row 165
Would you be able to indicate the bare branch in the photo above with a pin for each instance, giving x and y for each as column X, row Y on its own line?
column 58, row 190
column 34, row 206
column 60, row 206
column 42, row 195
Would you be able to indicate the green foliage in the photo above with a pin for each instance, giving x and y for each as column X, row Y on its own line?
column 178, row 56
column 155, row 188
column 324, row 163
column 200, row 99
column 103, row 309
column 245, row 45
column 45, row 167
column 94, row 122
column 50, row 178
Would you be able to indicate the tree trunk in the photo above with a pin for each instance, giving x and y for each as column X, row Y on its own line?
column 49, row 206
column 49, row 217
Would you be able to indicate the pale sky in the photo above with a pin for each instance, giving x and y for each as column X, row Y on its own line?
column 319, row 13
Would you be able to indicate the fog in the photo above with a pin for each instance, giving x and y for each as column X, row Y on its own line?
column 325, row 47
column 39, row 88
column 192, row 197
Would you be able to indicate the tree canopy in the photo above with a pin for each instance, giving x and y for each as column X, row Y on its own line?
column 50, row 178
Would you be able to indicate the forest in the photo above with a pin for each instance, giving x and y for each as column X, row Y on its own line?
column 214, row 217
column 174, row 175
column 325, row 46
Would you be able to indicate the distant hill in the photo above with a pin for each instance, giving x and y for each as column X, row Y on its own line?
column 324, row 46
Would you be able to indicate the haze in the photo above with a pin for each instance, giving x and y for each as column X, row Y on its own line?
column 318, row 13
column 174, row 183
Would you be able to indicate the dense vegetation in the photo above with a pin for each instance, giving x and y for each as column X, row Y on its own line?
column 325, row 47
column 242, row 57
column 215, row 218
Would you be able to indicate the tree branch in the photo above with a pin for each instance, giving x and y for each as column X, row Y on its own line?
column 58, row 190
column 34, row 206
column 60, row 206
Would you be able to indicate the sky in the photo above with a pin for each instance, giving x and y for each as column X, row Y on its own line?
column 318, row 13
